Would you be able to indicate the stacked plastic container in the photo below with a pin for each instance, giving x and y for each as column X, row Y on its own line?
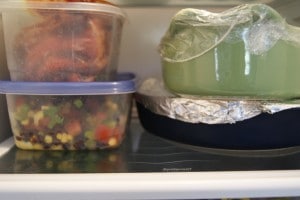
column 65, row 92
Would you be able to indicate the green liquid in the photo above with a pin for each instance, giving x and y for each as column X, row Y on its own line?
column 229, row 70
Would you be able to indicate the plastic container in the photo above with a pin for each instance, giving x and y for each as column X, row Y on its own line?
column 61, row 41
column 247, row 51
column 69, row 116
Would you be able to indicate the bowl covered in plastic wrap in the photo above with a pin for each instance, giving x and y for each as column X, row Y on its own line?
column 246, row 51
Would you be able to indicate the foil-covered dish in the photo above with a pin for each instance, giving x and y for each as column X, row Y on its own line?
column 230, row 80
column 155, row 97
column 235, row 124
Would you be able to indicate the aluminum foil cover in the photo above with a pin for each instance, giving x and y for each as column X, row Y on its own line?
column 153, row 96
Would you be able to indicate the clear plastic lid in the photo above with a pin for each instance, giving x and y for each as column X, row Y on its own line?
column 125, row 83
column 67, row 6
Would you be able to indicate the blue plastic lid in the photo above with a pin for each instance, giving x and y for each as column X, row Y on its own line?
column 125, row 83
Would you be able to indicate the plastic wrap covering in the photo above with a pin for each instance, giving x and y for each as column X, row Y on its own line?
column 193, row 32
column 153, row 95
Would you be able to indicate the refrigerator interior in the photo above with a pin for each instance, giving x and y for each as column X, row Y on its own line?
column 146, row 166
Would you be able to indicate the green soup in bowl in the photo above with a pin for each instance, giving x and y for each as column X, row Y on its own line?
column 248, row 51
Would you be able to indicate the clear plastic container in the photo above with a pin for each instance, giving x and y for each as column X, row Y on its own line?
column 245, row 52
column 69, row 116
column 61, row 41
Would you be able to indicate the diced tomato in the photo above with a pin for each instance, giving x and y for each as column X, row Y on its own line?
column 73, row 127
column 103, row 133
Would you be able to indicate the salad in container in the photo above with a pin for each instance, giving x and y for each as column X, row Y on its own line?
column 68, row 115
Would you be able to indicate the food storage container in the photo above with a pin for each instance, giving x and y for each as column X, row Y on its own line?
column 68, row 115
column 61, row 41
column 248, row 51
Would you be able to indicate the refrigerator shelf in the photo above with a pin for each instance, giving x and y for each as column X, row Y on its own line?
column 147, row 167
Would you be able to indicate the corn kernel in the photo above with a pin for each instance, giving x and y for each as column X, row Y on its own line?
column 112, row 142
column 37, row 117
column 69, row 137
column 48, row 139
column 44, row 107
column 30, row 113
column 64, row 138
column 37, row 146
column 23, row 144
column 112, row 105
column 59, row 136
column 25, row 122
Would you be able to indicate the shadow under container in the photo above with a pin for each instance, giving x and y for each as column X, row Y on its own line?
column 69, row 116
column 248, row 51
column 62, row 41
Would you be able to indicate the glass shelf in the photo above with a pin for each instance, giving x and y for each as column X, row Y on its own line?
column 144, row 152
column 147, row 167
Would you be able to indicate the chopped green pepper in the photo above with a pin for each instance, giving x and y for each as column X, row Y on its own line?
column 78, row 103
column 52, row 113
column 22, row 112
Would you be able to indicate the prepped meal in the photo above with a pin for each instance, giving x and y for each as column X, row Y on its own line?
column 49, row 51
column 58, row 41
column 70, row 122
column 246, row 51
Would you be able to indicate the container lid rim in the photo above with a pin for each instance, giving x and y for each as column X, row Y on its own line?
column 125, row 83
column 68, row 6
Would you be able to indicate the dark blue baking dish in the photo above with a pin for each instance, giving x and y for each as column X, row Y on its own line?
column 265, row 131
